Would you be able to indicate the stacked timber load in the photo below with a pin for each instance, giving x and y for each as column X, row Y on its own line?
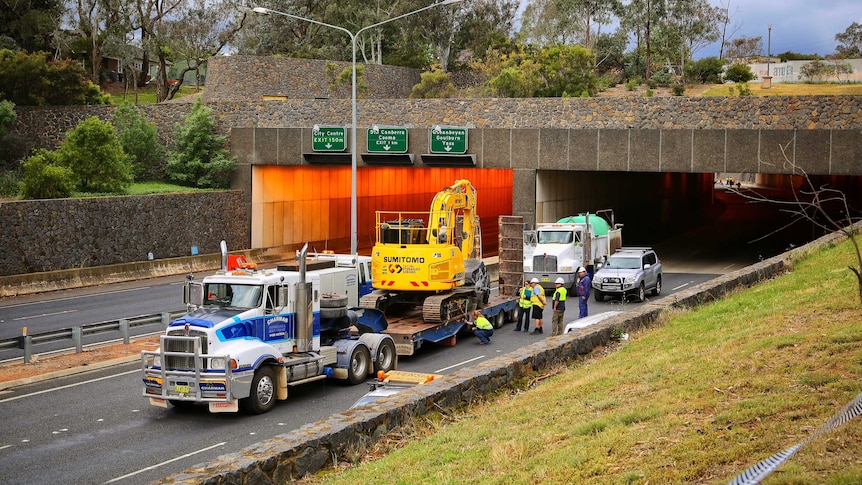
column 511, row 254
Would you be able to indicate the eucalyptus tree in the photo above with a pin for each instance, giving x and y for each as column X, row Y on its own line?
column 30, row 24
column 850, row 41
column 641, row 17
column 200, row 32
column 689, row 26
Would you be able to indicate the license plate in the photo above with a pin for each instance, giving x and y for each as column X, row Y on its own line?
column 546, row 279
column 181, row 389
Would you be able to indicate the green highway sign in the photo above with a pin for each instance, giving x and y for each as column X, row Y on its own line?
column 448, row 139
column 328, row 138
column 387, row 139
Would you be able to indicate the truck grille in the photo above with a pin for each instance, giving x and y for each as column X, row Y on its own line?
column 544, row 264
column 177, row 345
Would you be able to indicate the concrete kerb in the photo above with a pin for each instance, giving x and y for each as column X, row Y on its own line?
column 313, row 446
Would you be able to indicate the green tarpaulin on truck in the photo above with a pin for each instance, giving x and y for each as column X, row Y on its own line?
column 600, row 226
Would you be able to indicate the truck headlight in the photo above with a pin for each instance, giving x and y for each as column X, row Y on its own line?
column 217, row 363
column 528, row 269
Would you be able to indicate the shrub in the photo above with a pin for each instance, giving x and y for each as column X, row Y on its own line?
column 9, row 183
column 434, row 84
column 200, row 159
column 706, row 70
column 140, row 141
column 678, row 89
column 739, row 73
column 96, row 157
column 45, row 178
column 662, row 77
column 37, row 80
column 744, row 89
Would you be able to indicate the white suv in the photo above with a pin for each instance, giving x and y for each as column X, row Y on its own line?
column 629, row 271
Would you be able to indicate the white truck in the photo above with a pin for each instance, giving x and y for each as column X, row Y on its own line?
column 563, row 246
column 250, row 334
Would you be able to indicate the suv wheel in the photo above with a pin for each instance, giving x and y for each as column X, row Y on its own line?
column 641, row 294
column 657, row 290
column 600, row 296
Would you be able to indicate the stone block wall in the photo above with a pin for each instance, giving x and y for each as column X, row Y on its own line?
column 308, row 449
column 243, row 78
column 55, row 234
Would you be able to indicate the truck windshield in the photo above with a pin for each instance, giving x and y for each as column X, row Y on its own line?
column 623, row 263
column 231, row 295
column 555, row 237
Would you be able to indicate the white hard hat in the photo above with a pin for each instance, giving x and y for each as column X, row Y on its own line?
column 582, row 270
column 534, row 280
column 559, row 281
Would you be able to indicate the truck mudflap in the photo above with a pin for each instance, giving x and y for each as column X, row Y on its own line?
column 408, row 340
column 179, row 372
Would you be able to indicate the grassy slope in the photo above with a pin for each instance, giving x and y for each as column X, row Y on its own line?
column 697, row 400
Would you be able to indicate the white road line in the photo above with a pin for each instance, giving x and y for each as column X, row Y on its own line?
column 44, row 315
column 142, row 470
column 451, row 366
column 68, row 386
column 4, row 447
column 77, row 297
column 731, row 265
column 680, row 286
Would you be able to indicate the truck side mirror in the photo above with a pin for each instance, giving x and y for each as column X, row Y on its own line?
column 193, row 293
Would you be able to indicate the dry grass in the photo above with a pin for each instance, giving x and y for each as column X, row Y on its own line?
column 788, row 89
column 697, row 400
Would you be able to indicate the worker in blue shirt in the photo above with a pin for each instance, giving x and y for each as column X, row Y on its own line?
column 583, row 290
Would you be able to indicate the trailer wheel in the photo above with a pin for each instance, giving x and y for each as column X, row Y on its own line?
column 360, row 362
column 387, row 357
column 499, row 320
column 262, row 397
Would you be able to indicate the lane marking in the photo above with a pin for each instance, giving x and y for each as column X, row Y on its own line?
column 451, row 366
column 731, row 265
column 76, row 297
column 157, row 465
column 69, row 385
column 5, row 446
column 44, row 315
column 680, row 286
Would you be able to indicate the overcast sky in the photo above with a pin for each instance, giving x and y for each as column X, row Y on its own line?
column 804, row 26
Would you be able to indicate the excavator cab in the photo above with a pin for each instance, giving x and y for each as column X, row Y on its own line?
column 405, row 231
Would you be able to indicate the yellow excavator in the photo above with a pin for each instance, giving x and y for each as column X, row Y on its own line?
column 431, row 259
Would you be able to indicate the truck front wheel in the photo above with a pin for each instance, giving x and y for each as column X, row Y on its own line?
column 262, row 397
column 360, row 362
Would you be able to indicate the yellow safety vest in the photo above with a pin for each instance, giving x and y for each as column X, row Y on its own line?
column 562, row 291
column 524, row 301
column 482, row 323
column 538, row 290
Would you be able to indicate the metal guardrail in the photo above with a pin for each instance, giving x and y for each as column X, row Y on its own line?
column 76, row 334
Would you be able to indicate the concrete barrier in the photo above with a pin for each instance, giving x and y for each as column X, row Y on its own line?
column 313, row 446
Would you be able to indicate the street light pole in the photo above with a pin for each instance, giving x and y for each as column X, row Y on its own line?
column 353, row 36
column 768, row 48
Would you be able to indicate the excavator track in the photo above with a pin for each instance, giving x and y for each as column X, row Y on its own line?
column 444, row 307
column 371, row 300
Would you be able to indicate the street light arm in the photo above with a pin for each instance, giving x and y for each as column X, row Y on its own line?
column 267, row 11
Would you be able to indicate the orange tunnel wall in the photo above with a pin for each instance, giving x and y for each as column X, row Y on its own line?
column 295, row 205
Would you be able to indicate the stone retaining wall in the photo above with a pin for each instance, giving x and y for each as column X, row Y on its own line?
column 58, row 234
column 310, row 448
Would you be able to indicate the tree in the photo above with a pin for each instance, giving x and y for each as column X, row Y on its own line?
column 94, row 154
column 553, row 71
column 739, row 73
column 10, row 146
column 725, row 25
column 140, row 141
column 99, row 21
column 850, row 42
column 200, row 33
column 692, row 24
column 640, row 17
column 200, row 159
column 30, row 25
column 745, row 48
column 45, row 177
column 36, row 80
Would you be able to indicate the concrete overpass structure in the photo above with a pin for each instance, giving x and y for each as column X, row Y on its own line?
column 651, row 159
